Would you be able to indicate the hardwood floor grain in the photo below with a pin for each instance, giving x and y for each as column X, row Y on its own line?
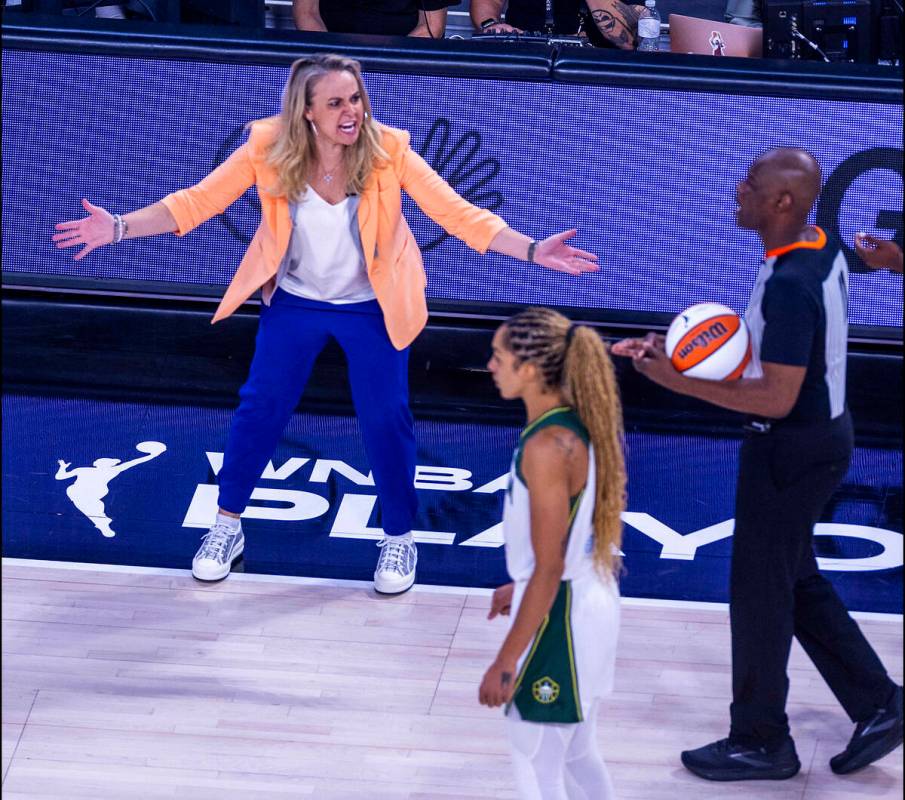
column 150, row 685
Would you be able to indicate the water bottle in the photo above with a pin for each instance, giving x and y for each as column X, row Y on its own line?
column 649, row 27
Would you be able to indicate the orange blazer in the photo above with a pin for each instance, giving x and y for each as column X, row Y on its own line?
column 392, row 256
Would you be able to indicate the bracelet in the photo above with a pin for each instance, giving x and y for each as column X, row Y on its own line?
column 531, row 248
column 120, row 229
column 489, row 23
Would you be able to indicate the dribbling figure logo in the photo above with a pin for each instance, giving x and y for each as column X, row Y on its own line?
column 92, row 484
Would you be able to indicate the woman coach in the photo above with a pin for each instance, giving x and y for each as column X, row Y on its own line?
column 334, row 257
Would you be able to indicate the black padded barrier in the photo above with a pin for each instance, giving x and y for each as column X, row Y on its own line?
column 387, row 54
column 164, row 350
column 460, row 58
column 738, row 76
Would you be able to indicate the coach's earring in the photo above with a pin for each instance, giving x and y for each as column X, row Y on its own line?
column 313, row 127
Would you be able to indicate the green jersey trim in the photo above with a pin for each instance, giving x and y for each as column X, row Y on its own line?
column 564, row 417
column 546, row 689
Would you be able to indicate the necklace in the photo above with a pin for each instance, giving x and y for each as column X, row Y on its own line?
column 328, row 176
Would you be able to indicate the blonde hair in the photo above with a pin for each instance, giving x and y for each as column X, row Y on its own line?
column 577, row 364
column 293, row 153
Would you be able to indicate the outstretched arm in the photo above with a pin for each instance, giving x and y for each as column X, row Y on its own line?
column 178, row 212
column 552, row 252
column 134, row 462
column 62, row 472
column 97, row 229
column 481, row 229
column 545, row 465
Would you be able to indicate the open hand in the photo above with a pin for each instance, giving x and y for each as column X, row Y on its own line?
column 554, row 253
column 501, row 602
column 91, row 232
column 878, row 253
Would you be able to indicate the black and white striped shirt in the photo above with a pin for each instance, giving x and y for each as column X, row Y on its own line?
column 798, row 315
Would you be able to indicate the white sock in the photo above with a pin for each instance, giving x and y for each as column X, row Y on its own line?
column 406, row 538
column 233, row 523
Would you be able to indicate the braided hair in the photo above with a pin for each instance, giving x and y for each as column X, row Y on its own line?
column 572, row 359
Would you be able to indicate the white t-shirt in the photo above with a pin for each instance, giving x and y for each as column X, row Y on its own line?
column 324, row 260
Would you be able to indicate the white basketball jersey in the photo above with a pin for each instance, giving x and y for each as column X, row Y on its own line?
column 590, row 626
column 517, row 528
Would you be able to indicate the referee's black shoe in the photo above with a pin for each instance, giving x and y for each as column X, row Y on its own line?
column 873, row 738
column 726, row 760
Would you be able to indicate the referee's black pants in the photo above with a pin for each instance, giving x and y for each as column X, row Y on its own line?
column 785, row 479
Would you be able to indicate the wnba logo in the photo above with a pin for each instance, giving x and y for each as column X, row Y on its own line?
column 709, row 341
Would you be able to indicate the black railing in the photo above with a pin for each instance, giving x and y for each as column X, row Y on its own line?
column 459, row 58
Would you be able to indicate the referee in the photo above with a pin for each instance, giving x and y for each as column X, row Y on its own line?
column 795, row 454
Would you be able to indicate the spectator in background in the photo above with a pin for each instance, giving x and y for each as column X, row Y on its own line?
column 424, row 18
column 612, row 23
column 134, row 9
column 878, row 253
column 744, row 12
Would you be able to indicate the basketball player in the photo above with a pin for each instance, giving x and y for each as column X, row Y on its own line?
column 796, row 453
column 562, row 527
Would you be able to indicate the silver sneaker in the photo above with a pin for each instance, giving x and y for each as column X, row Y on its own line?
column 396, row 566
column 220, row 546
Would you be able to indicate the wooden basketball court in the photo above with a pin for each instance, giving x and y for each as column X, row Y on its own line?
column 122, row 682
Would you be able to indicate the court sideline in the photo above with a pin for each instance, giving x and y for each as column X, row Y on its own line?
column 137, row 682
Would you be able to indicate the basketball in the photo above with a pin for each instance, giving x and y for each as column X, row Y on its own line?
column 709, row 341
column 151, row 448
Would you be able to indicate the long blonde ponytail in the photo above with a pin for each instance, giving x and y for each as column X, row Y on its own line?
column 590, row 385
column 574, row 360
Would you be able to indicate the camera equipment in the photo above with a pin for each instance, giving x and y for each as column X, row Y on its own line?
column 888, row 31
column 532, row 37
column 825, row 30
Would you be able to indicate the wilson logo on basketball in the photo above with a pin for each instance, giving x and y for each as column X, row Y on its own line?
column 709, row 341
column 702, row 340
